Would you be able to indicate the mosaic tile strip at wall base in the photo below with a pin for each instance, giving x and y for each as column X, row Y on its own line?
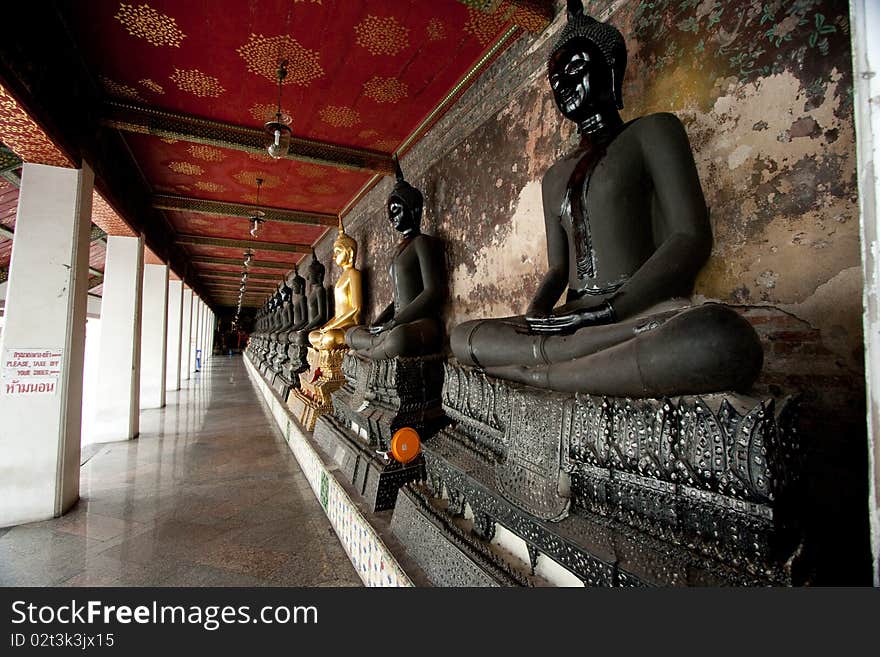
column 373, row 561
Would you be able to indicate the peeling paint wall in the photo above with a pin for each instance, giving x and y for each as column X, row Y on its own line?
column 764, row 88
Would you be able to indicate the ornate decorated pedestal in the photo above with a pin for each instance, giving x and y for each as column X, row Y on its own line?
column 378, row 398
column 287, row 379
column 324, row 376
column 691, row 490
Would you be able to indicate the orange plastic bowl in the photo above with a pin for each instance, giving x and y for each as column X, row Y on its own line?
column 405, row 444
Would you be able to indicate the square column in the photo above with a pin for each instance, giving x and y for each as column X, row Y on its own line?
column 175, row 330
column 154, row 330
column 212, row 331
column 43, row 344
column 186, row 333
column 119, row 364
column 196, row 332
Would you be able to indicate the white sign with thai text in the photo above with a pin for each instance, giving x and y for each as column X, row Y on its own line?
column 30, row 371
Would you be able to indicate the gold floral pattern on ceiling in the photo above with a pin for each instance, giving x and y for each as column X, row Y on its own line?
column 262, row 55
column 382, row 35
column 266, row 112
column 156, row 88
column 368, row 134
column 312, row 171
column 483, row 26
column 322, row 189
column 249, row 179
column 186, row 168
column 107, row 219
column 436, row 30
column 197, row 83
column 385, row 90
column 168, row 140
column 339, row 116
column 24, row 137
column 120, row 90
column 386, row 145
column 146, row 23
column 206, row 153
column 298, row 200
column 260, row 157
column 208, row 186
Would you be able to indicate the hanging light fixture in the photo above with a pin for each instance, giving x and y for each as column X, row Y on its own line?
column 248, row 258
column 258, row 216
column 278, row 133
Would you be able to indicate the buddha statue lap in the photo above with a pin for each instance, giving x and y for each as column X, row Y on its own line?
column 627, row 233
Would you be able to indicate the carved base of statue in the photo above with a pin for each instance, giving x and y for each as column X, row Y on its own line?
column 324, row 376
column 378, row 398
column 688, row 490
column 282, row 384
column 287, row 379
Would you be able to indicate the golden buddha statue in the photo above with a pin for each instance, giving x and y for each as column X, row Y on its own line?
column 346, row 294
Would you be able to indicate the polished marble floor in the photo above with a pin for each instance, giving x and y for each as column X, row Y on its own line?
column 208, row 495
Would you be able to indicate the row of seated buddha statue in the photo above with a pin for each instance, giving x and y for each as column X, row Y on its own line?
column 279, row 342
column 627, row 232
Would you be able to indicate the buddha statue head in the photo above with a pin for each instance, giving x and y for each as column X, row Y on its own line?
column 344, row 249
column 283, row 293
column 315, row 274
column 586, row 67
column 296, row 282
column 405, row 204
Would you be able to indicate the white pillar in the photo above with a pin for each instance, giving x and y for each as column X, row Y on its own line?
column 118, row 403
column 175, row 331
column 154, row 332
column 186, row 333
column 196, row 331
column 212, row 326
column 45, row 312
column 865, row 20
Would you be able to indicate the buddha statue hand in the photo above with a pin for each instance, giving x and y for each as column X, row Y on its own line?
column 382, row 328
column 571, row 322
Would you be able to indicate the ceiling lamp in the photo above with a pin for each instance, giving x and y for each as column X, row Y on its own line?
column 258, row 216
column 278, row 132
column 248, row 258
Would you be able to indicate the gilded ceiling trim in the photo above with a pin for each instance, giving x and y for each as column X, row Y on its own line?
column 244, row 210
column 147, row 120
column 201, row 240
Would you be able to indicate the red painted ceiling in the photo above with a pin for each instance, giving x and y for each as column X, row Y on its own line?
column 362, row 74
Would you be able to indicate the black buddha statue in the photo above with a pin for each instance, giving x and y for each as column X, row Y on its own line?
column 627, row 232
column 409, row 326
column 317, row 303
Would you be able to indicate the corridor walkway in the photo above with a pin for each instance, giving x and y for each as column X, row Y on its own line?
column 209, row 495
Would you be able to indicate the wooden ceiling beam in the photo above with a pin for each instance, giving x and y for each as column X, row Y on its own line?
column 243, row 210
column 213, row 273
column 146, row 120
column 266, row 264
column 202, row 240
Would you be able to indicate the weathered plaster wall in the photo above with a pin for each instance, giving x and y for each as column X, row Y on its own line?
column 764, row 88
